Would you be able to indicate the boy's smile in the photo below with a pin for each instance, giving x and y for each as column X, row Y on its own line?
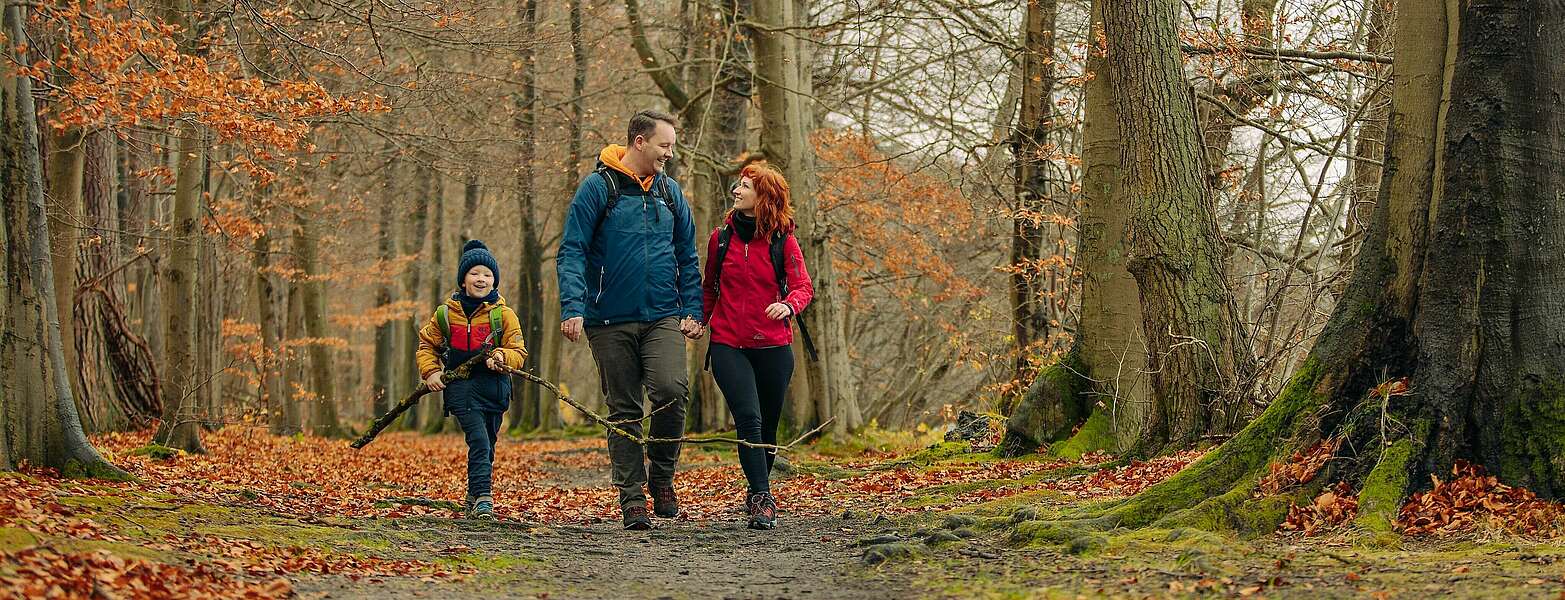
column 477, row 282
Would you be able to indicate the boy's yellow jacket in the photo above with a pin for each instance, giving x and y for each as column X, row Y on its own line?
column 487, row 390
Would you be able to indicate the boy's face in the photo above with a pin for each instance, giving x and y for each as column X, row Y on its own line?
column 478, row 281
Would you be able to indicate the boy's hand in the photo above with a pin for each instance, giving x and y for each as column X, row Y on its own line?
column 434, row 383
column 572, row 328
column 495, row 363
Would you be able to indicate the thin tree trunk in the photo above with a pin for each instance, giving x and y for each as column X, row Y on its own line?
column 432, row 413
column 323, row 413
column 385, row 333
column 67, row 159
column 413, row 244
column 1031, row 150
column 180, row 427
column 527, row 400
column 273, row 396
column 1199, row 357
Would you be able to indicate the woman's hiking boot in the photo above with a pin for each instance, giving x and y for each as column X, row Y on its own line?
column 763, row 510
column 664, row 503
column 635, row 517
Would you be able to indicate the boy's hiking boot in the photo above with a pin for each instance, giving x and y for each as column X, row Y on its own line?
column 482, row 508
column 763, row 510
column 664, row 503
column 635, row 517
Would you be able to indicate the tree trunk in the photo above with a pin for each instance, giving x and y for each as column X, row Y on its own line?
column 788, row 120
column 1031, row 150
column 527, row 401
column 323, row 413
column 67, row 158
column 273, row 396
column 385, row 333
column 413, row 284
column 180, row 427
column 1200, row 361
column 432, row 414
column 1094, row 399
column 51, row 429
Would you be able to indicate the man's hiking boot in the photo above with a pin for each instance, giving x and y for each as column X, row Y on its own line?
column 635, row 517
column 763, row 510
column 664, row 503
column 482, row 508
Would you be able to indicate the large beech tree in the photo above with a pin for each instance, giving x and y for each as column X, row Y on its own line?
column 1447, row 342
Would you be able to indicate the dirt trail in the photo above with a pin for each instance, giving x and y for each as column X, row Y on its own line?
column 806, row 558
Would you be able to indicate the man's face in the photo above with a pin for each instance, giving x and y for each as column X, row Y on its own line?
column 660, row 147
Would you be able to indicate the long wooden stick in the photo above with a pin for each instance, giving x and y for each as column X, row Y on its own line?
column 462, row 371
column 644, row 440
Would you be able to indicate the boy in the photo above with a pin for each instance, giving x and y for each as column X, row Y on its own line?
column 474, row 320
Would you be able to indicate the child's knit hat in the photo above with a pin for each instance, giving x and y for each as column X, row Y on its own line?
column 475, row 253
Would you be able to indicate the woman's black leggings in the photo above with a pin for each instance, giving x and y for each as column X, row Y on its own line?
column 754, row 382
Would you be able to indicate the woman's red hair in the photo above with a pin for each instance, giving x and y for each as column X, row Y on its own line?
column 773, row 206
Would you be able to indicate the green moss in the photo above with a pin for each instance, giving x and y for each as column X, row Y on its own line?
column 76, row 469
column 157, row 452
column 1387, row 484
column 16, row 538
column 1236, row 461
column 1096, row 434
column 1050, row 409
column 1043, row 533
column 881, row 553
column 941, row 451
column 490, row 563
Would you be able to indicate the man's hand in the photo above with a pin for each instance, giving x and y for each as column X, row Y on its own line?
column 572, row 328
column 778, row 311
column 691, row 328
column 433, row 382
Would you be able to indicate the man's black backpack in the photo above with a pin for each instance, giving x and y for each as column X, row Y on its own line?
column 659, row 191
column 779, row 266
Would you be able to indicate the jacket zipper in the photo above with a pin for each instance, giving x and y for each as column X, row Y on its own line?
column 601, row 272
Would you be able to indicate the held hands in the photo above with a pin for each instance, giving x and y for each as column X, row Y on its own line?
column 778, row 311
column 433, row 382
column 572, row 328
column 692, row 328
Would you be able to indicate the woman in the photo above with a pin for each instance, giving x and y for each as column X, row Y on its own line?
column 748, row 299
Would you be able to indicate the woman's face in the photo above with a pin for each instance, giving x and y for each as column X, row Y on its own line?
column 744, row 196
column 478, row 281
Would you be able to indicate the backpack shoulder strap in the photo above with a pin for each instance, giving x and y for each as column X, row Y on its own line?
column 443, row 319
column 724, row 236
column 613, row 191
column 661, row 189
column 780, row 261
column 497, row 323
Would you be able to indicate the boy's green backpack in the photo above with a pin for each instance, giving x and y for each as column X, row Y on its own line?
column 443, row 318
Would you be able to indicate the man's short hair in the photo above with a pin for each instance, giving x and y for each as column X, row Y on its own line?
column 645, row 122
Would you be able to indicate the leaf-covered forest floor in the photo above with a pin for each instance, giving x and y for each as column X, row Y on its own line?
column 263, row 517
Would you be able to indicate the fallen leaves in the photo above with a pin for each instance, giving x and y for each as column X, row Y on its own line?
column 1333, row 507
column 1471, row 498
column 46, row 573
column 1300, row 469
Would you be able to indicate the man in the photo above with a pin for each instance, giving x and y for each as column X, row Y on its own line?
column 629, row 282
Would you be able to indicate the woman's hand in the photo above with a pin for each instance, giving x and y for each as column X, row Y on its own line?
column 779, row 311
column 434, row 383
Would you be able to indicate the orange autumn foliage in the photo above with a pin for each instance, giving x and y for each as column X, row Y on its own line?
column 113, row 67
